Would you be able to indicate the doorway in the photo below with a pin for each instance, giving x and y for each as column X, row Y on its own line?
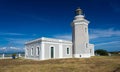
column 52, row 52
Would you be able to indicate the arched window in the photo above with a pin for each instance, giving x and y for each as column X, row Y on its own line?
column 31, row 51
column 52, row 52
column 37, row 51
column 68, row 51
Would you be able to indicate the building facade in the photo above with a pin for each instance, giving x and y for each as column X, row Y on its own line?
column 48, row 48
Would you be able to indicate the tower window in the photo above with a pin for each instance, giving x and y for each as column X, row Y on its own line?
column 86, row 45
column 68, row 51
column 80, row 55
column 85, row 29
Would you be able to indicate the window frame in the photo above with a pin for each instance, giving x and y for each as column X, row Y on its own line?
column 37, row 51
column 53, row 51
column 68, row 51
column 31, row 51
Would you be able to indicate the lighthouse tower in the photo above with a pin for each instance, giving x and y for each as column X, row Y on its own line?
column 80, row 37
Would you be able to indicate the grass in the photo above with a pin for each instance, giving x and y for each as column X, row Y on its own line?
column 94, row 64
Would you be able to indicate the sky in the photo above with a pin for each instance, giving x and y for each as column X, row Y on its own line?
column 25, row 20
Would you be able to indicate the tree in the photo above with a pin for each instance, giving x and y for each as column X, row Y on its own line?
column 101, row 52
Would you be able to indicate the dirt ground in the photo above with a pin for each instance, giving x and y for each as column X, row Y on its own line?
column 94, row 64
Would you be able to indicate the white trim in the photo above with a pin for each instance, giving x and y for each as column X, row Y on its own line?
column 60, row 51
column 26, row 52
column 50, row 51
column 56, row 43
column 31, row 51
column 42, row 51
column 37, row 50
column 80, row 23
column 39, row 53
column 48, row 40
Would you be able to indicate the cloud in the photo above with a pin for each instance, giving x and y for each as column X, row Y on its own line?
column 18, row 40
column 15, row 48
column 64, row 36
column 11, row 34
column 97, row 33
column 108, row 43
column 3, row 48
column 107, row 39
column 93, row 34
column 109, row 46
column 10, row 49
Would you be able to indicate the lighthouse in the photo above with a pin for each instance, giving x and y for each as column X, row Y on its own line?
column 80, row 36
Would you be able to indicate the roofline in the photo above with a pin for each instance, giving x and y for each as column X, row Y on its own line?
column 45, row 38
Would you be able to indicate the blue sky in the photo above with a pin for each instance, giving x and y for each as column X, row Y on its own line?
column 24, row 20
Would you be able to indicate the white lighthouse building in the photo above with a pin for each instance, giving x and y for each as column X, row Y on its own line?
column 49, row 48
column 80, row 36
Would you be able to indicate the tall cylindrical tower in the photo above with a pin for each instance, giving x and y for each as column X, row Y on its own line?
column 80, row 37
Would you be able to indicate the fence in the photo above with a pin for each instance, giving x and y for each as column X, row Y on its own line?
column 9, row 56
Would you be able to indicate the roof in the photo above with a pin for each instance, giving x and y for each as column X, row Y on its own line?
column 44, row 39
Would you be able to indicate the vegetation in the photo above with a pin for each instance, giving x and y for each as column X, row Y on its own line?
column 101, row 52
column 13, row 56
column 115, row 53
column 94, row 64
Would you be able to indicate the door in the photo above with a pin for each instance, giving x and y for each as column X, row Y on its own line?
column 52, row 52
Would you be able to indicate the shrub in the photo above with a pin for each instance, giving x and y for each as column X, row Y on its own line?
column 101, row 52
column 13, row 56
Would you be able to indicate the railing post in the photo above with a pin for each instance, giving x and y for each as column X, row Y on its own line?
column 3, row 56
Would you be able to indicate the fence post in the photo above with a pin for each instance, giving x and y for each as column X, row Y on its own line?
column 19, row 55
column 3, row 56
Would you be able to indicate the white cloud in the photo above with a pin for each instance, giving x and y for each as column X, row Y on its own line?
column 3, row 48
column 97, row 33
column 64, row 36
column 94, row 33
column 108, row 43
column 11, row 34
column 17, row 40
column 109, row 46
column 13, row 49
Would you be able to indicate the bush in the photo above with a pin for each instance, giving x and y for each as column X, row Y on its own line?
column 101, row 52
column 13, row 56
